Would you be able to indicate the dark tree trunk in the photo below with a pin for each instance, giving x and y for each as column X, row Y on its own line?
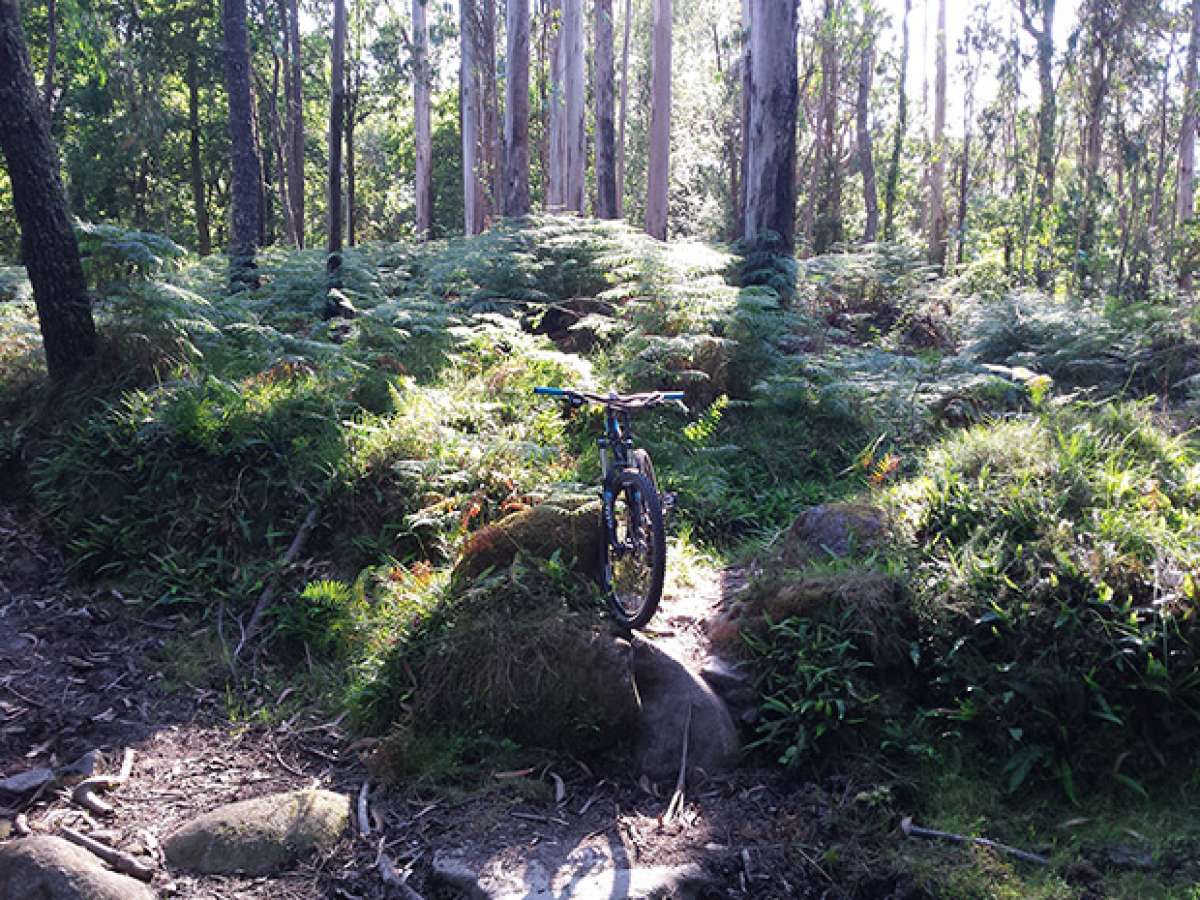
column 606, row 139
column 196, row 169
column 491, row 151
column 336, row 130
column 48, row 246
column 771, row 136
column 247, row 177
column 516, row 112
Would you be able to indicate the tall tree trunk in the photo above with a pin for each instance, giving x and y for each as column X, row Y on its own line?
column 51, row 58
column 285, row 128
column 624, row 109
column 337, row 110
column 606, row 163
column 351, row 183
column 470, row 115
column 1163, row 117
column 247, row 177
column 516, row 111
column 964, row 176
column 293, row 82
column 771, row 137
column 893, row 175
column 48, row 247
column 937, row 169
column 279, row 142
column 264, row 175
column 827, row 224
column 866, row 158
column 196, row 169
column 1185, row 205
column 1046, row 142
column 423, row 133
column 567, row 138
column 744, row 118
column 659, row 162
column 491, row 150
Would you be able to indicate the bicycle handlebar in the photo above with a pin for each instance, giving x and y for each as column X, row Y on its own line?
column 619, row 401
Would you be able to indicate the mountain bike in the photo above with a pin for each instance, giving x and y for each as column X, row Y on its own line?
column 635, row 544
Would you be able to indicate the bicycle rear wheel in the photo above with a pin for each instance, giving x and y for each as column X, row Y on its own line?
column 636, row 554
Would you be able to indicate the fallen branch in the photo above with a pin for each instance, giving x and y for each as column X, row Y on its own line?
column 676, row 804
column 84, row 792
column 118, row 859
column 364, row 823
column 912, row 830
column 268, row 594
column 392, row 878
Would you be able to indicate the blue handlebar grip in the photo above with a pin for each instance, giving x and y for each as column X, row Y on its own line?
column 673, row 395
column 549, row 391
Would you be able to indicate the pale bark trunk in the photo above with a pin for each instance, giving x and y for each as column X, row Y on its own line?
column 294, row 88
column 745, row 117
column 336, row 132
column 1046, row 143
column 556, row 140
column 490, row 149
column 247, row 177
column 893, row 176
column 1185, row 206
column 770, row 185
column 516, row 111
column 937, row 169
column 423, row 133
column 624, row 109
column 827, row 223
column 471, row 116
column 1163, row 117
column 48, row 247
column 195, row 169
column 567, row 147
column 658, row 168
column 606, row 174
column 866, row 158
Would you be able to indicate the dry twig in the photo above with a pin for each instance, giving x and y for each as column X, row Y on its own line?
column 912, row 830
column 119, row 860
column 364, row 823
column 268, row 594
column 84, row 792
column 677, row 798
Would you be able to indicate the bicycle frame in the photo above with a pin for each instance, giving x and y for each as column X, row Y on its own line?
column 617, row 440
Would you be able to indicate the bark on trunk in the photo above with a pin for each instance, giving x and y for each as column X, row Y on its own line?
column 606, row 171
column 937, row 168
column 827, row 223
column 48, row 247
column 1047, row 114
column 490, row 149
column 423, row 136
column 1185, row 206
column 567, row 138
column 295, row 115
column 893, row 176
column 279, row 139
column 866, row 157
column 516, row 111
column 336, row 130
column 624, row 110
column 247, row 177
column 770, row 148
column 659, row 165
column 470, row 115
column 196, row 169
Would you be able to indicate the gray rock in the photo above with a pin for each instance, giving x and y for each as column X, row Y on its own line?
column 256, row 837
column 49, row 868
column 834, row 530
column 667, row 689
column 23, row 782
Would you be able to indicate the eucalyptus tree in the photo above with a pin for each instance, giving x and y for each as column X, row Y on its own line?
column 515, row 190
column 659, row 164
column 48, row 246
column 247, row 175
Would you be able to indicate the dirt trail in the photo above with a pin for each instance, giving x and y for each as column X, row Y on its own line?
column 82, row 671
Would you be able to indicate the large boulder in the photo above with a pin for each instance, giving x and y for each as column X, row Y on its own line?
column 260, row 836
column 538, row 532
column 50, row 868
column 834, row 531
column 668, row 690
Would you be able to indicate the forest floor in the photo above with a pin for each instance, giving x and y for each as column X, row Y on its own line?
column 80, row 672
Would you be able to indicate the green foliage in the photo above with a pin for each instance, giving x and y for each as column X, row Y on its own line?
column 113, row 255
column 816, row 697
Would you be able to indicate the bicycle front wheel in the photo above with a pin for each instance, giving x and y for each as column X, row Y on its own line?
column 637, row 550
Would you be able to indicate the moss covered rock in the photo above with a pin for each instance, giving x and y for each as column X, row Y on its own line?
column 260, row 836
column 50, row 868
column 538, row 532
column 834, row 530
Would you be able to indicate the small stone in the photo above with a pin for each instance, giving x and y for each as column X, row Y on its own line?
column 25, row 782
column 50, row 868
column 260, row 836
